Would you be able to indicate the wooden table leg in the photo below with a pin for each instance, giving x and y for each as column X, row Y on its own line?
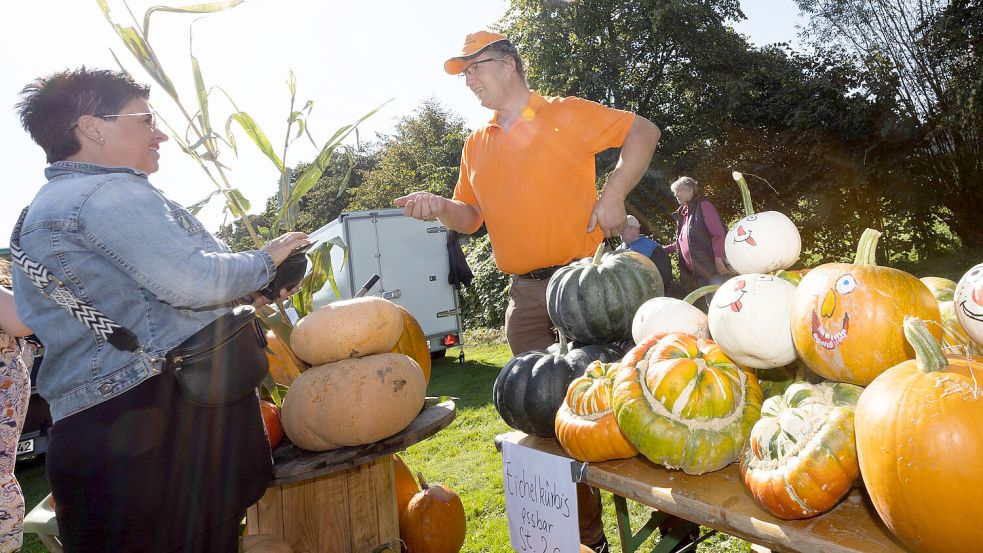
column 678, row 536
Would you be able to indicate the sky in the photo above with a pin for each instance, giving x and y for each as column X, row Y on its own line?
column 348, row 58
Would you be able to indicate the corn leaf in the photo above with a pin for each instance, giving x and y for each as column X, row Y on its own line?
column 235, row 197
column 196, row 207
column 138, row 46
column 206, row 124
column 258, row 137
column 313, row 172
column 210, row 7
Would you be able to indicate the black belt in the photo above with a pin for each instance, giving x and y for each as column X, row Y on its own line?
column 541, row 274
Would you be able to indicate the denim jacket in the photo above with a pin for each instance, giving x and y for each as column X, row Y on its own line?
column 117, row 243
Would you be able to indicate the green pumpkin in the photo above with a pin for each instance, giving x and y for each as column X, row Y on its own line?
column 594, row 300
column 531, row 386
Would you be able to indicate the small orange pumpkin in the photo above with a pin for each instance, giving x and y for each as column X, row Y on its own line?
column 406, row 486
column 920, row 445
column 434, row 520
column 271, row 420
column 585, row 424
column 846, row 318
column 284, row 365
column 413, row 342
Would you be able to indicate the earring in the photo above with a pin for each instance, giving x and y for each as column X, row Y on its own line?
column 102, row 140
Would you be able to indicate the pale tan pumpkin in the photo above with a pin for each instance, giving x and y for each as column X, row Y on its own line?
column 346, row 329
column 353, row 401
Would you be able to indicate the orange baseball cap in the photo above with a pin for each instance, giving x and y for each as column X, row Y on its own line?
column 474, row 43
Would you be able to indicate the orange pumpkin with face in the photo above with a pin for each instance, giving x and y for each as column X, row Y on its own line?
column 847, row 318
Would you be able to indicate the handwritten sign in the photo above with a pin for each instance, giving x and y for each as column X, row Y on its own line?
column 540, row 501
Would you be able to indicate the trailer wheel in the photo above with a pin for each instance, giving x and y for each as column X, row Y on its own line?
column 438, row 354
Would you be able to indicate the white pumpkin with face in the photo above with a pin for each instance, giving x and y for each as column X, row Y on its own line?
column 750, row 319
column 761, row 242
column 968, row 302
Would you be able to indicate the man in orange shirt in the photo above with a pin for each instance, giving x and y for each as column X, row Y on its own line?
column 529, row 176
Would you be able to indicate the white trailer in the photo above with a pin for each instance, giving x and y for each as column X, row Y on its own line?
column 410, row 257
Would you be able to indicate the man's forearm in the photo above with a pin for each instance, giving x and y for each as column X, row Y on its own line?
column 636, row 154
column 461, row 217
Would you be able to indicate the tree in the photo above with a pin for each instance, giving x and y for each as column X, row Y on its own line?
column 423, row 153
column 932, row 48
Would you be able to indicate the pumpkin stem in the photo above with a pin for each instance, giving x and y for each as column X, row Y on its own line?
column 867, row 248
column 700, row 292
column 598, row 254
column 745, row 193
column 928, row 353
column 564, row 345
column 423, row 483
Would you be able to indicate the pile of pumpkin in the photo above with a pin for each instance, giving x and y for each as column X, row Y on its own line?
column 356, row 372
column 860, row 384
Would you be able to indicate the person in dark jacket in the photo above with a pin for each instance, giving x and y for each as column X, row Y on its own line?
column 699, row 237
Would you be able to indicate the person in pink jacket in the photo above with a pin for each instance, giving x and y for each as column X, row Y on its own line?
column 699, row 237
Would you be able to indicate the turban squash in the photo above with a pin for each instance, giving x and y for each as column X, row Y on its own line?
column 683, row 404
column 802, row 455
column 585, row 424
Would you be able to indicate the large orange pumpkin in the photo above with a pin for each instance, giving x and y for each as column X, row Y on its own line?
column 585, row 424
column 920, row 444
column 846, row 318
column 406, row 486
column 413, row 342
column 434, row 520
column 284, row 365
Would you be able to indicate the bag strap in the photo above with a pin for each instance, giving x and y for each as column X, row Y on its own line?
column 102, row 326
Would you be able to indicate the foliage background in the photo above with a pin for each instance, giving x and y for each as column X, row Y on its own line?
column 869, row 124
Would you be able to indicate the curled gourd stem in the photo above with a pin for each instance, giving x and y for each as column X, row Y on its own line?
column 745, row 193
column 423, row 483
column 598, row 254
column 867, row 248
column 700, row 292
column 928, row 352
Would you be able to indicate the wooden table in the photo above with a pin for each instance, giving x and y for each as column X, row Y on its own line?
column 720, row 501
column 342, row 500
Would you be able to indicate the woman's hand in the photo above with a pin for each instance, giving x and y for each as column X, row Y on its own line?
column 722, row 267
column 258, row 300
column 281, row 246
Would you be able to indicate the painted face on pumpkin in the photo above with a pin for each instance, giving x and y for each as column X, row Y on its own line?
column 732, row 297
column 969, row 294
column 824, row 323
column 744, row 230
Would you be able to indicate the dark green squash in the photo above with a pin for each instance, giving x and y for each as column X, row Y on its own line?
column 531, row 386
column 594, row 300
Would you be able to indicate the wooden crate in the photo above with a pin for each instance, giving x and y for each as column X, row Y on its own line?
column 347, row 511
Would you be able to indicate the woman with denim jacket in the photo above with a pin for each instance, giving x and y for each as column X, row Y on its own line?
column 132, row 466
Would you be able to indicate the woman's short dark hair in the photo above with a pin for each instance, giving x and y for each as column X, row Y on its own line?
column 52, row 104
column 505, row 49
